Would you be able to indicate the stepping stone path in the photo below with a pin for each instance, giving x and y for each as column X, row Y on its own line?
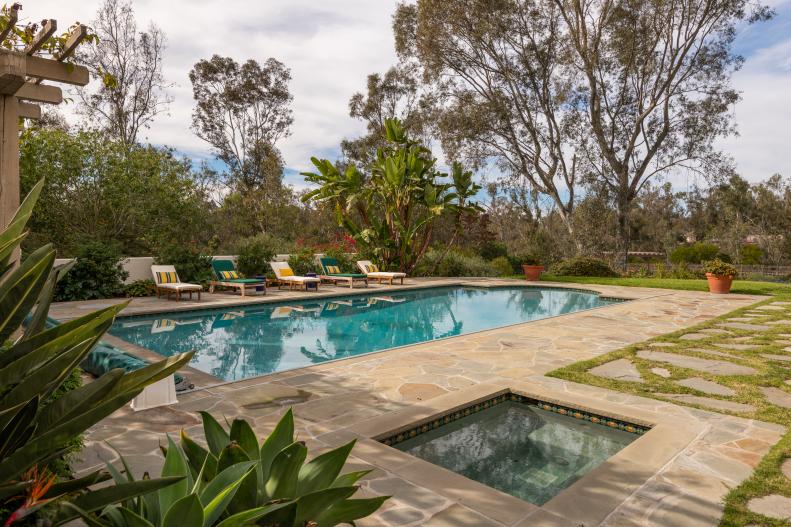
column 717, row 367
column 713, row 352
column 771, row 308
column 784, row 358
column 774, row 506
column 620, row 370
column 781, row 303
column 661, row 344
column 703, row 385
column 777, row 396
column 738, row 347
column 742, row 319
column 663, row 372
column 743, row 326
column 711, row 403
column 781, row 322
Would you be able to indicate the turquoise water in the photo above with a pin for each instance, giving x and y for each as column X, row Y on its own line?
column 519, row 449
column 245, row 341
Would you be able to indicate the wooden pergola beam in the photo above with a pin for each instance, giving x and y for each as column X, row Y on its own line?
column 40, row 93
column 12, row 72
column 77, row 35
column 29, row 111
column 52, row 70
column 13, row 17
column 47, row 30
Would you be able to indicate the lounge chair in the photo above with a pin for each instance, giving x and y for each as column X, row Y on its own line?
column 226, row 276
column 373, row 272
column 331, row 272
column 285, row 276
column 167, row 281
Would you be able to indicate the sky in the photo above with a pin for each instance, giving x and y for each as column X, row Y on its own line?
column 332, row 46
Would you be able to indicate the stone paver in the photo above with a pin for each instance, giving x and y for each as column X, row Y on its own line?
column 772, row 356
column 736, row 346
column 620, row 370
column 777, row 396
column 743, row 326
column 773, row 506
column 717, row 404
column 770, row 307
column 717, row 367
column 662, row 344
column 662, row 372
column 706, row 386
column 785, row 468
column 694, row 336
column 781, row 322
column 715, row 331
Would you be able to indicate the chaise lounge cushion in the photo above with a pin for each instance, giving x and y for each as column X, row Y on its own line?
column 181, row 287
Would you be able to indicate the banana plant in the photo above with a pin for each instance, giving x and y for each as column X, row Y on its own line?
column 392, row 210
column 34, row 362
column 236, row 481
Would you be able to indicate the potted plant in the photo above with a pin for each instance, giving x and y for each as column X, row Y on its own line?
column 720, row 275
column 532, row 267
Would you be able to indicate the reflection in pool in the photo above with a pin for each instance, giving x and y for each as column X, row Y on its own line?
column 245, row 341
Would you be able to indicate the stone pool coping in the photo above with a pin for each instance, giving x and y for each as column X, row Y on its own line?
column 584, row 502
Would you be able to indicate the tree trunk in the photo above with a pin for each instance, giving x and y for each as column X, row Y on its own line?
column 624, row 234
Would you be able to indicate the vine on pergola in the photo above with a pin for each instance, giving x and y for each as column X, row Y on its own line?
column 30, row 54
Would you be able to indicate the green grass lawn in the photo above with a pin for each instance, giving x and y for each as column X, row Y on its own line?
column 767, row 477
column 747, row 287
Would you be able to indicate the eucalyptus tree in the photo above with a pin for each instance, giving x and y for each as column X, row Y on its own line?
column 397, row 94
column 503, row 72
column 127, row 62
column 656, row 86
column 242, row 111
column 565, row 92
column 392, row 210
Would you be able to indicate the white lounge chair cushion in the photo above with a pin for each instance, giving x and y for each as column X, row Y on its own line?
column 300, row 279
column 385, row 274
column 181, row 287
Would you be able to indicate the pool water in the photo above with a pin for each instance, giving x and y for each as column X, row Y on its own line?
column 519, row 449
column 244, row 341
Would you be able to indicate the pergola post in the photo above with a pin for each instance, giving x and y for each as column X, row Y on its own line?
column 21, row 76
column 9, row 158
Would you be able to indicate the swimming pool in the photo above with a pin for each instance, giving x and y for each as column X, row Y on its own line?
column 244, row 341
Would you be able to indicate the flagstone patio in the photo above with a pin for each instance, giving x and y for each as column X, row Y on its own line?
column 332, row 400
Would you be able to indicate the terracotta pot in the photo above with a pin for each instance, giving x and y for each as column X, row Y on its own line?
column 532, row 272
column 720, row 285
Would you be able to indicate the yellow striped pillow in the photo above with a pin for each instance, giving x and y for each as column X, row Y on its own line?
column 373, row 268
column 169, row 277
column 229, row 275
column 333, row 269
column 286, row 272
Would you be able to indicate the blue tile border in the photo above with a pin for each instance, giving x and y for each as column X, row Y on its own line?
column 474, row 408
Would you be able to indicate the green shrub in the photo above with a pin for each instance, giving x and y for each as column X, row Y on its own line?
column 255, row 253
column 303, row 261
column 190, row 263
column 97, row 273
column 719, row 268
column 583, row 266
column 502, row 265
column 751, row 255
column 695, row 253
column 454, row 264
column 491, row 250
column 140, row 288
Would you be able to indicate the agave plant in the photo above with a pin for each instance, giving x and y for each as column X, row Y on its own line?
column 34, row 362
column 237, row 481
